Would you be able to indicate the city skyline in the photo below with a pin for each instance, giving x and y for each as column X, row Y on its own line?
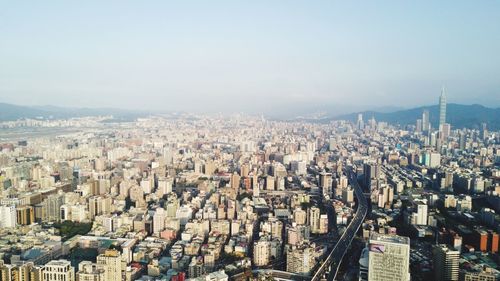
column 249, row 140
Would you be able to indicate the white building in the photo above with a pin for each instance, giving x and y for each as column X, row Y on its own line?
column 388, row 258
column 159, row 220
column 8, row 216
column 58, row 270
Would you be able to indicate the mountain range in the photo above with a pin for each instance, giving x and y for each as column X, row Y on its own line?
column 11, row 112
column 458, row 115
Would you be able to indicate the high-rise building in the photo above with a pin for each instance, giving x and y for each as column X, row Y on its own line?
column 300, row 259
column 261, row 253
column 442, row 108
column 323, row 224
column 111, row 260
column 314, row 215
column 25, row 215
column 418, row 127
column 58, row 270
column 348, row 195
column 461, row 140
column 299, row 216
column 360, row 124
column 159, row 220
column 388, row 258
column 426, row 125
column 445, row 263
column 370, row 171
column 99, row 205
column 235, row 182
column 269, row 183
column 444, row 131
column 8, row 216
column 421, row 213
column 52, row 207
column 484, row 131
column 325, row 182
column 164, row 186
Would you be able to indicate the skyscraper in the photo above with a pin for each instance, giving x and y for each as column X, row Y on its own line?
column 370, row 171
column 462, row 140
column 484, row 131
column 360, row 124
column 388, row 258
column 421, row 214
column 442, row 108
column 314, row 216
column 418, row 127
column 445, row 263
column 425, row 121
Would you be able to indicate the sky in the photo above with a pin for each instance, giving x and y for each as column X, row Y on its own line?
column 249, row 56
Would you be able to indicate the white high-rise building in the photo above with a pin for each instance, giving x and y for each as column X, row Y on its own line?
column 159, row 220
column 58, row 270
column 426, row 125
column 8, row 216
column 314, row 216
column 442, row 109
column 388, row 258
column 164, row 186
column 421, row 213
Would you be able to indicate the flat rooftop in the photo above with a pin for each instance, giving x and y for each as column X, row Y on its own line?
column 389, row 238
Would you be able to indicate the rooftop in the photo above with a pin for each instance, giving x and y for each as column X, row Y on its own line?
column 390, row 238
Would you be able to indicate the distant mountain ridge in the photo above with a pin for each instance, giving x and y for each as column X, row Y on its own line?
column 11, row 112
column 458, row 115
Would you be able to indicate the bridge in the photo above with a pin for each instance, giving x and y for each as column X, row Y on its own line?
column 329, row 268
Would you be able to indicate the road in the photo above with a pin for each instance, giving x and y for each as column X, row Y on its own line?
column 330, row 266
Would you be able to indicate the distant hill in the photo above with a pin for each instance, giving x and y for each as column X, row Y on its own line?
column 458, row 115
column 11, row 112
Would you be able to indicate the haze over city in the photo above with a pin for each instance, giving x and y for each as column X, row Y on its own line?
column 249, row 140
column 249, row 56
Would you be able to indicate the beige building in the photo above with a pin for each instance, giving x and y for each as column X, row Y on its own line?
column 88, row 271
column 261, row 253
column 112, row 263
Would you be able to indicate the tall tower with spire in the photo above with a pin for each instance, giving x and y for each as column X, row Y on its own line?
column 442, row 108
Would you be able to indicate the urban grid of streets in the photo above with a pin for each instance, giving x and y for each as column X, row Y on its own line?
column 199, row 197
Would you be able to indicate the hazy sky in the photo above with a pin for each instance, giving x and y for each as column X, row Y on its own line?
column 248, row 55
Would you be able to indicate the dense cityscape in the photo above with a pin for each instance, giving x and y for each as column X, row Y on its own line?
column 233, row 140
column 241, row 197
